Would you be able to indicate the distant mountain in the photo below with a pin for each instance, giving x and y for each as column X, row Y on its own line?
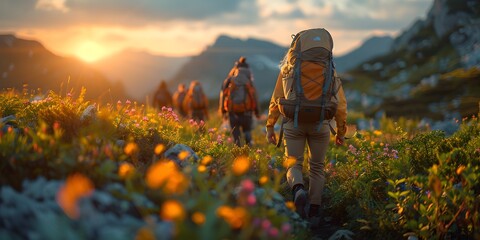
column 372, row 47
column 29, row 62
column 140, row 72
column 432, row 71
column 213, row 64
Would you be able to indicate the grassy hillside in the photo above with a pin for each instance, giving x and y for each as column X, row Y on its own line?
column 412, row 82
column 102, row 171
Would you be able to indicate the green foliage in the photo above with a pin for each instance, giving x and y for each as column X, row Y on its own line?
column 389, row 183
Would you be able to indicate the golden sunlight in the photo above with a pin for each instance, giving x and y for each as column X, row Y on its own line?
column 90, row 51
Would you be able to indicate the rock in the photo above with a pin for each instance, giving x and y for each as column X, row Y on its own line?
column 89, row 114
column 174, row 151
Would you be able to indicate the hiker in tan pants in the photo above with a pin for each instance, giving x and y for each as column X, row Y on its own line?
column 313, row 67
column 317, row 142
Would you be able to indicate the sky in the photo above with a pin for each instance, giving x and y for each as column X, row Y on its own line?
column 92, row 29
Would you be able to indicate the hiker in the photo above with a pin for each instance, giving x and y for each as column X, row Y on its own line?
column 308, row 93
column 196, row 102
column 238, row 101
column 162, row 96
column 178, row 98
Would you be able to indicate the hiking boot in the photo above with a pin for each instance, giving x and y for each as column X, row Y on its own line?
column 315, row 222
column 300, row 201
column 316, row 218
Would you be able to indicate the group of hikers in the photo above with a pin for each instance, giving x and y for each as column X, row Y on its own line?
column 189, row 102
column 308, row 95
column 238, row 101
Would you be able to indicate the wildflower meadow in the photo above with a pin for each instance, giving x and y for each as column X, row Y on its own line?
column 76, row 169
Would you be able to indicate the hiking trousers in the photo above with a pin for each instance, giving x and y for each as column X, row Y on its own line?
column 317, row 141
column 241, row 121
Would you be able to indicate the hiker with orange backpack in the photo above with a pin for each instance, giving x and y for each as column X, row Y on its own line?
column 238, row 101
column 162, row 96
column 178, row 98
column 309, row 94
column 195, row 103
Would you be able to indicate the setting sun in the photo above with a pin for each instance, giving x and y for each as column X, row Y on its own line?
column 90, row 51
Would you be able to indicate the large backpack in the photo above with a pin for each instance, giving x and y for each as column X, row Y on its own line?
column 240, row 93
column 178, row 99
column 309, row 85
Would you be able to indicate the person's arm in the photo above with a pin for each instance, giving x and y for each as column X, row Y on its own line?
column 225, row 84
column 273, row 111
column 341, row 114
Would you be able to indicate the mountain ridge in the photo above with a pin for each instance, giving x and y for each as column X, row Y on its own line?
column 28, row 63
column 139, row 71
column 431, row 72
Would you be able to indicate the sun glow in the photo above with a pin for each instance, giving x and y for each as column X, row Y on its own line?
column 90, row 51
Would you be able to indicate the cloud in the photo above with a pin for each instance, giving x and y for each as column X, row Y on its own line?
column 373, row 14
column 247, row 13
column 295, row 13
column 54, row 13
column 55, row 5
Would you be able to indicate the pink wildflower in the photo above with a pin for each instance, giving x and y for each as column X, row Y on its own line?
column 273, row 232
column 266, row 224
column 247, row 186
column 251, row 199
column 286, row 228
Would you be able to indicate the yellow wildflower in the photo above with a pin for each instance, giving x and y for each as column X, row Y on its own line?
column 172, row 210
column 159, row 173
column 206, row 160
column 290, row 205
column 159, row 149
column 460, row 169
column 183, row 155
column 126, row 170
column 377, row 133
column 198, row 218
column 263, row 180
column 130, row 148
column 177, row 183
column 76, row 186
column 202, row 168
column 235, row 217
column 289, row 162
column 240, row 165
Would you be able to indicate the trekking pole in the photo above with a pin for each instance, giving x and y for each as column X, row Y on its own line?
column 280, row 135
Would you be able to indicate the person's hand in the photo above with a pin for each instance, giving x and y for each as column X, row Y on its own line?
column 271, row 137
column 257, row 114
column 339, row 140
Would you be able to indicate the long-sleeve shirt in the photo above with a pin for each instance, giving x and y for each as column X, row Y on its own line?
column 279, row 92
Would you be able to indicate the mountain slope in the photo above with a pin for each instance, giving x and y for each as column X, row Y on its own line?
column 140, row 72
column 212, row 65
column 372, row 47
column 28, row 62
column 420, row 77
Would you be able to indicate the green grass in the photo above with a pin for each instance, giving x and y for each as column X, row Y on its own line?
column 385, row 183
